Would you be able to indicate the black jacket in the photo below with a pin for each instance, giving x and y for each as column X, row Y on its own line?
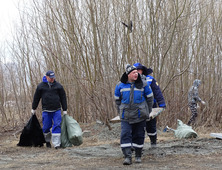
column 53, row 96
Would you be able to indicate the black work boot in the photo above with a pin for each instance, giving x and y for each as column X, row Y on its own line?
column 128, row 156
column 153, row 141
column 138, row 152
column 48, row 145
column 127, row 161
column 153, row 144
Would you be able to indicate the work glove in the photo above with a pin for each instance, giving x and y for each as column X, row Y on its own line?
column 151, row 117
column 154, row 114
column 148, row 119
column 64, row 112
column 33, row 111
column 203, row 102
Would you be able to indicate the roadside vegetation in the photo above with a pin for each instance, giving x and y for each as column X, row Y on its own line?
column 87, row 46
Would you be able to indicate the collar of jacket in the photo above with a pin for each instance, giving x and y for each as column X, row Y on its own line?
column 138, row 82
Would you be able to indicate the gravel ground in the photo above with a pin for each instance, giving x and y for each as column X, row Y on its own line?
column 101, row 150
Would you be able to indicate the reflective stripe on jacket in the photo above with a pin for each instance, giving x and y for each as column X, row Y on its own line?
column 157, row 94
column 133, row 101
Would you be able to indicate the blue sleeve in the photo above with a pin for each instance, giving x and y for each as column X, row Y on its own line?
column 117, row 96
column 148, row 90
column 117, row 93
column 157, row 93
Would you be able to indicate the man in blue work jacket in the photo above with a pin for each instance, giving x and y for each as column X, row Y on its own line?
column 134, row 100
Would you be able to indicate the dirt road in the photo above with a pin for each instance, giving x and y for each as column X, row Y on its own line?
column 101, row 150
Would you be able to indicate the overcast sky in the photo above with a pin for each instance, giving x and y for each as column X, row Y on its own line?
column 8, row 16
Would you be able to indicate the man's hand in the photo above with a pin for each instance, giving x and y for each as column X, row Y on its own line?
column 33, row 111
column 64, row 112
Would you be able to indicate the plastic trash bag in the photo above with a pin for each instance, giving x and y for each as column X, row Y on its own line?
column 64, row 134
column 183, row 131
column 73, row 131
column 32, row 134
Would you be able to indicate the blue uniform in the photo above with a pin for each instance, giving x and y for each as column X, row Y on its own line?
column 133, row 105
column 158, row 96
column 158, row 101
column 134, row 102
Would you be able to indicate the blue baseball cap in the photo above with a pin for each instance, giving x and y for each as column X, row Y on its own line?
column 51, row 74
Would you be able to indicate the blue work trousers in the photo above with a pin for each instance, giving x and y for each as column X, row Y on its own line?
column 52, row 120
column 132, row 135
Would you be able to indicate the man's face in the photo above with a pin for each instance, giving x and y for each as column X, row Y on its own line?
column 133, row 76
column 50, row 80
column 140, row 71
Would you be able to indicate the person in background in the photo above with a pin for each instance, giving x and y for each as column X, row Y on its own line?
column 158, row 101
column 134, row 100
column 193, row 99
column 53, row 96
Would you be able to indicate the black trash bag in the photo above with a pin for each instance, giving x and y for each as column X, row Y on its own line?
column 32, row 134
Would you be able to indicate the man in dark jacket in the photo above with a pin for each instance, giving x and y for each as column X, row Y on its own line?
column 158, row 101
column 53, row 96
column 134, row 100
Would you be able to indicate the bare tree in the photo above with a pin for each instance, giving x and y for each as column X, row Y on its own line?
column 88, row 46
